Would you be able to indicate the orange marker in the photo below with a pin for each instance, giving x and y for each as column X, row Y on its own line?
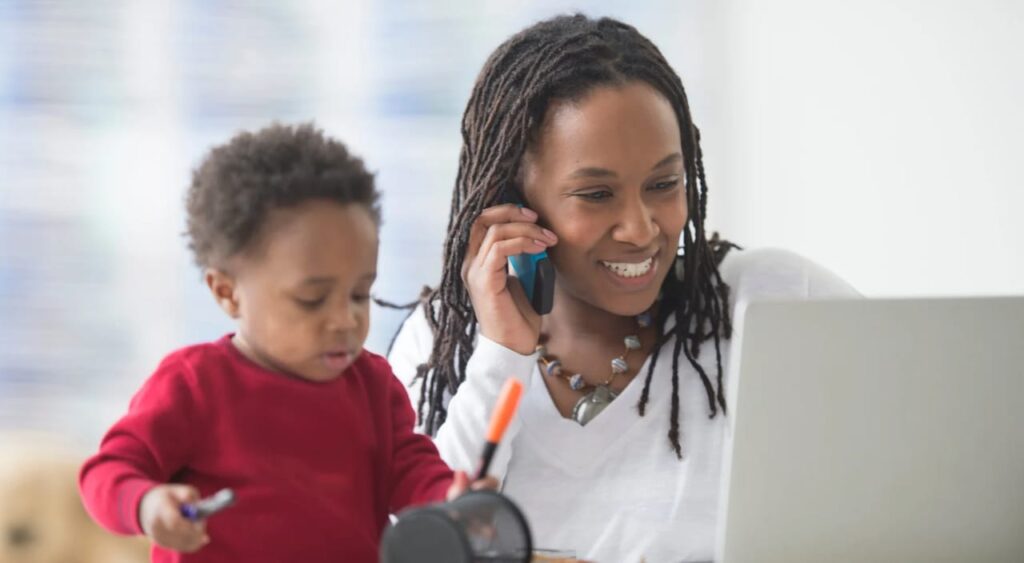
column 508, row 400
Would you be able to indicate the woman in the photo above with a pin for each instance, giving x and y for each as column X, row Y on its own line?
column 615, row 453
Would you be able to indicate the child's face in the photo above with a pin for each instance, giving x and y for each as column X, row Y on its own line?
column 301, row 292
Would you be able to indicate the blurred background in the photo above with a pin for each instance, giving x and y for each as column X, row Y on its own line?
column 880, row 138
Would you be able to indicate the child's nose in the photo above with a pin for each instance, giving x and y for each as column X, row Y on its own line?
column 343, row 318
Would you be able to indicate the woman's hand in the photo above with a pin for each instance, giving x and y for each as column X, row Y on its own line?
column 161, row 519
column 502, row 309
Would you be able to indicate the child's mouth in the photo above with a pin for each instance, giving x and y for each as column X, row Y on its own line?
column 337, row 361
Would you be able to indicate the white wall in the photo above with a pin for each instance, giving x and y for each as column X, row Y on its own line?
column 882, row 138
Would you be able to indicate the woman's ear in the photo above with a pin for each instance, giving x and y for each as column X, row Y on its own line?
column 223, row 288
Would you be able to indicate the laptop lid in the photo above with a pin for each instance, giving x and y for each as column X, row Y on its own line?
column 876, row 430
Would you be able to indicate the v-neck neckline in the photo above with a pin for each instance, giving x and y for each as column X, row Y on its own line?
column 576, row 448
column 548, row 409
column 626, row 392
column 572, row 446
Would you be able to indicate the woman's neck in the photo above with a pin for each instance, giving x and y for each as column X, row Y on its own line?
column 573, row 316
column 584, row 339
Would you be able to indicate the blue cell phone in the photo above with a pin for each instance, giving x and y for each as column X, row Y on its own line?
column 535, row 272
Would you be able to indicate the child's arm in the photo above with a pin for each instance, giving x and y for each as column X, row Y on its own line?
column 152, row 442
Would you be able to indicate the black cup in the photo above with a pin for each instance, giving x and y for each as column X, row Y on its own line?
column 476, row 527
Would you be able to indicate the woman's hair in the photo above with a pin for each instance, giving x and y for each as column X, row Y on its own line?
column 240, row 182
column 565, row 58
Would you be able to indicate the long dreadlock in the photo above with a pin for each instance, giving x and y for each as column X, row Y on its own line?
column 563, row 59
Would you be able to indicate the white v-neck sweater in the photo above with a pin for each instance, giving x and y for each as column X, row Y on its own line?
column 612, row 491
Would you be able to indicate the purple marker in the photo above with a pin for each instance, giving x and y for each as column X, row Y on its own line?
column 208, row 506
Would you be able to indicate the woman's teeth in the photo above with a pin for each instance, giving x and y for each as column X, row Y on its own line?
column 628, row 270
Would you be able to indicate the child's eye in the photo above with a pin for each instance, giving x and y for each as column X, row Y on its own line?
column 310, row 304
column 361, row 298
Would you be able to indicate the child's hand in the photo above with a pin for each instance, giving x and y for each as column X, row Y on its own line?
column 161, row 519
column 461, row 484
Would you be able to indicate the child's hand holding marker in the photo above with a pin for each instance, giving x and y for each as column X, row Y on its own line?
column 461, row 485
column 162, row 521
column 175, row 517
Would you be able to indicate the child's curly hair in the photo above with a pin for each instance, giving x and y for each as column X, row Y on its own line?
column 240, row 182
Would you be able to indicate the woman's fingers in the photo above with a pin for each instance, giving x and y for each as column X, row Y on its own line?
column 496, row 215
column 533, row 239
column 496, row 260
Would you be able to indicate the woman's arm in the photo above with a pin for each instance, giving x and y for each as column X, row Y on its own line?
column 461, row 438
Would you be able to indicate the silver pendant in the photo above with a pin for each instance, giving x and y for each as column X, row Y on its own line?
column 591, row 404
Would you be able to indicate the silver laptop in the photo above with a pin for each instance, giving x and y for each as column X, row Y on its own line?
column 876, row 430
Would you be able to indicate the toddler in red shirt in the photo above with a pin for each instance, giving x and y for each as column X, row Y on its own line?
column 312, row 433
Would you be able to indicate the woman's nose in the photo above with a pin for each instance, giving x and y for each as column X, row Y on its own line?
column 636, row 225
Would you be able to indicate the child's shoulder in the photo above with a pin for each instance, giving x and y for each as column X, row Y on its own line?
column 187, row 362
column 182, row 375
column 371, row 364
column 201, row 354
column 375, row 370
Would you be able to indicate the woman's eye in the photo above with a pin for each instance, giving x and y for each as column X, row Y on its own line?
column 665, row 185
column 595, row 196
column 361, row 298
column 310, row 304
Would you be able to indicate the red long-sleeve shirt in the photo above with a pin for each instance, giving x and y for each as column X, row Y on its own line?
column 316, row 467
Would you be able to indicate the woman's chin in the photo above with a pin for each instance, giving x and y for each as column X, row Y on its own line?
column 629, row 305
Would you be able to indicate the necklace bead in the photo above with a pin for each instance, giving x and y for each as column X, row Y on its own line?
column 576, row 382
column 600, row 395
column 644, row 319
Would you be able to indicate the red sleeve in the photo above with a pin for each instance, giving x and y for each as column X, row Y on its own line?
column 145, row 448
column 418, row 474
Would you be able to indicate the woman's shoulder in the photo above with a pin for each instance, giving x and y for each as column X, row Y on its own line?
column 411, row 345
column 774, row 273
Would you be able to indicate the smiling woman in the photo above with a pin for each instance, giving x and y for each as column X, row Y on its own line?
column 600, row 179
column 616, row 450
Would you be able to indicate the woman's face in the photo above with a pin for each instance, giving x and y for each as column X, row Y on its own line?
column 606, row 175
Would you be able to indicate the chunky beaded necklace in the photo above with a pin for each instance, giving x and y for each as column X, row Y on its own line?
column 595, row 397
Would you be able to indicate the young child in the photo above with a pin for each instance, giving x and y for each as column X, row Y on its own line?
column 312, row 433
